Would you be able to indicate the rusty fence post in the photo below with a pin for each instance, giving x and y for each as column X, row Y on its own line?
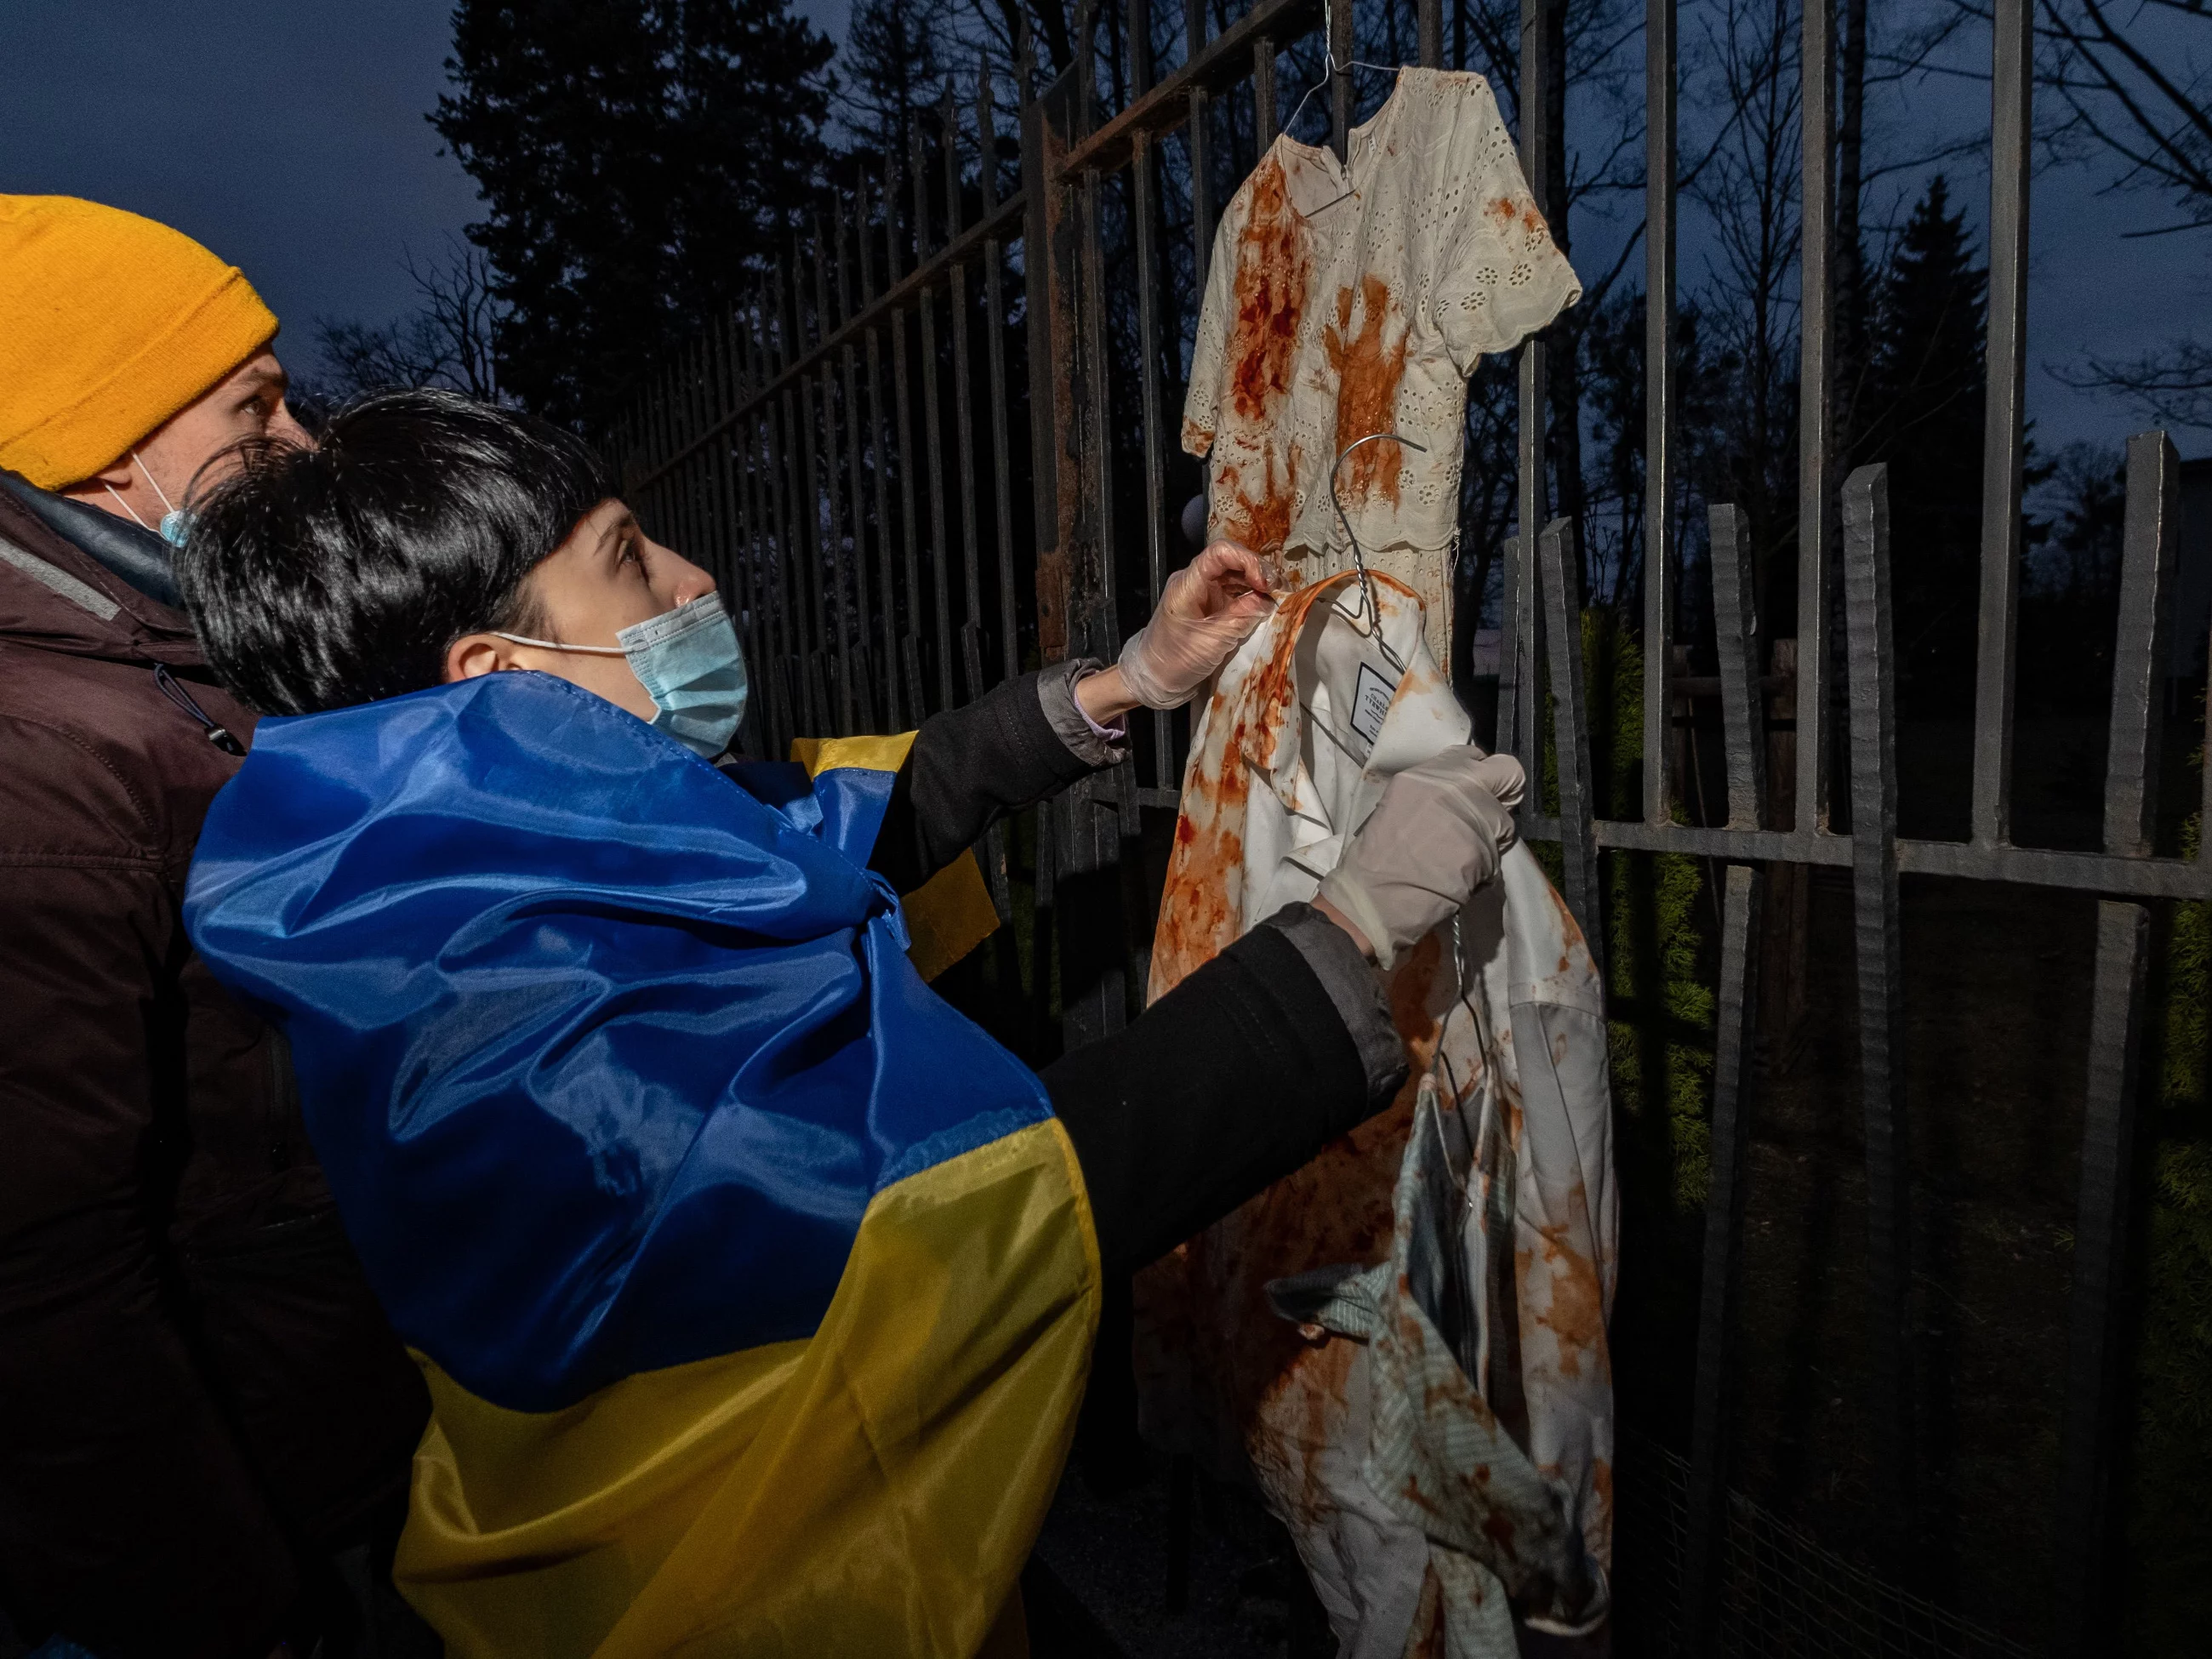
column 2090, row 1440
column 1881, row 1006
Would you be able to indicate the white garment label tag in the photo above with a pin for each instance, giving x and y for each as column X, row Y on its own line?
column 1370, row 703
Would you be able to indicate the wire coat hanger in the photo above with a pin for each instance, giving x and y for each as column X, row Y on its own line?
column 1358, row 557
column 1331, row 68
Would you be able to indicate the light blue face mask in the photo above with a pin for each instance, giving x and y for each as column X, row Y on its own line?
column 691, row 665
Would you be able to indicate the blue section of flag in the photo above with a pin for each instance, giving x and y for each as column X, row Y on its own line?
column 603, row 1054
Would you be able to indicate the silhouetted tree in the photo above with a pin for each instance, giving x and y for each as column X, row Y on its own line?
column 450, row 341
column 897, row 55
column 1926, row 385
column 638, row 157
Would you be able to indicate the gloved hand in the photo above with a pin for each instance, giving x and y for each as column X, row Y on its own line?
column 1436, row 836
column 1205, row 611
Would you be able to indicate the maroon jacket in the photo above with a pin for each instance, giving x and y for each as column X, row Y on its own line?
column 199, row 1395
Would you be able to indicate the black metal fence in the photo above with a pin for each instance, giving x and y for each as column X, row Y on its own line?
column 904, row 458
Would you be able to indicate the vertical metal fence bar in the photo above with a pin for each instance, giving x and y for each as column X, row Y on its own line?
column 881, row 451
column 1514, row 690
column 746, row 436
column 746, row 579
column 771, row 572
column 1201, row 193
column 1044, row 139
column 721, row 398
column 1659, row 253
column 712, row 484
column 656, row 424
column 971, row 627
column 699, row 469
column 1563, row 620
column 998, row 861
column 1099, row 626
column 1721, row 1270
column 1145, row 207
column 933, row 430
column 1735, row 633
column 1265, row 122
column 832, row 563
column 2149, row 543
column 662, row 500
column 994, row 305
column 813, row 551
column 1137, row 30
column 1340, row 78
column 773, row 621
column 1816, row 368
column 1881, row 1006
column 2086, row 1516
column 2003, row 426
column 1521, row 557
column 683, row 392
column 910, row 636
column 797, row 558
column 1430, row 19
column 861, row 629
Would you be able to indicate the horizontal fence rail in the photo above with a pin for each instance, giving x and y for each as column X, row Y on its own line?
column 849, row 451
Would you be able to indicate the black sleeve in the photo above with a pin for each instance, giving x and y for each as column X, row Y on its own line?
column 1227, row 1084
column 969, row 767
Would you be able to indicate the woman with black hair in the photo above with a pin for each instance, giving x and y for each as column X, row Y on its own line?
column 754, row 1286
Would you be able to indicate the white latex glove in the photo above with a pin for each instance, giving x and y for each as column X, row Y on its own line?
column 1206, row 610
column 1434, row 837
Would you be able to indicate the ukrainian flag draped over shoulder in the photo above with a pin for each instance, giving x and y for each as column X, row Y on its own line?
column 754, row 1284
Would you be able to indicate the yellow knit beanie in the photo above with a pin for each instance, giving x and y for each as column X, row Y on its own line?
column 109, row 325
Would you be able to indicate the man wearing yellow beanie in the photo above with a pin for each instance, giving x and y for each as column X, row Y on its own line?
column 203, row 1401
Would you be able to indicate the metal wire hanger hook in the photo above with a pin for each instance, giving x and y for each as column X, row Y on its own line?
column 1358, row 557
column 1332, row 68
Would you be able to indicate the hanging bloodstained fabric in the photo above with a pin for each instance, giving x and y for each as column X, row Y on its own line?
column 1403, row 1344
column 1350, row 298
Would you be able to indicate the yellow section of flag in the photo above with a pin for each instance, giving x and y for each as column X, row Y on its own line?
column 873, row 1489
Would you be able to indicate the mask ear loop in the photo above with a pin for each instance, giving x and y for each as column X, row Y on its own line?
column 556, row 645
column 168, row 506
column 1358, row 557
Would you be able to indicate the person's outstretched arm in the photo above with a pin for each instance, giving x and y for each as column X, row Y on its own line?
column 970, row 766
column 1282, row 1042
column 1032, row 737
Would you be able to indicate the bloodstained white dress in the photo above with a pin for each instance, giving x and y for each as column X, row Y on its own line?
column 1345, row 300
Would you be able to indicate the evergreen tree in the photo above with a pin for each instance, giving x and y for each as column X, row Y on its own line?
column 639, row 159
column 1926, row 385
column 897, row 55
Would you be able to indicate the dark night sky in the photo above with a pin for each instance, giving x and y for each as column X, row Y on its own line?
column 290, row 139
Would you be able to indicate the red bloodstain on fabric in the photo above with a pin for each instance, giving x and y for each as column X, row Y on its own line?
column 1258, row 518
column 1273, row 267
column 1368, row 372
column 1577, row 1314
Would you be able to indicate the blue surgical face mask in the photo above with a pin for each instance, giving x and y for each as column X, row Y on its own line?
column 691, row 665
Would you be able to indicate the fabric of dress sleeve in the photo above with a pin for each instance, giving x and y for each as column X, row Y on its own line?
column 1502, row 277
column 1201, row 405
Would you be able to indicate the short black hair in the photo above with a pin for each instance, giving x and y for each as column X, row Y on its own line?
column 322, row 577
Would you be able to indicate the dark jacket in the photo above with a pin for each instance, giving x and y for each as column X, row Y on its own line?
column 198, row 1392
column 1237, row 1076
